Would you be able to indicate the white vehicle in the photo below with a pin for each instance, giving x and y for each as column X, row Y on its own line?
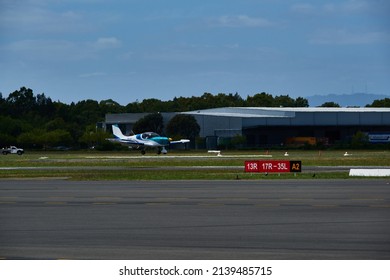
column 144, row 140
column 12, row 150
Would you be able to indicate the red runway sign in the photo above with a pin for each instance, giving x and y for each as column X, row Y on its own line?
column 277, row 166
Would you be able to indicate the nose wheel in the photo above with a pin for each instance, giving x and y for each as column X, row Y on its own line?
column 162, row 150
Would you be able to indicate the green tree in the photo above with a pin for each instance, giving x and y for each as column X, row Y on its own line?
column 152, row 105
column 12, row 127
column 33, row 139
column 152, row 122
column 238, row 141
column 330, row 104
column 260, row 100
column 183, row 126
column 56, row 123
column 87, row 112
column 380, row 103
column 284, row 101
column 2, row 104
column 359, row 140
column 133, row 107
column 21, row 102
column 58, row 137
column 301, row 102
column 93, row 137
column 6, row 140
column 110, row 106
column 44, row 106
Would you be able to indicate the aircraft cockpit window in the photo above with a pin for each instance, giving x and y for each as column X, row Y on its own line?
column 148, row 135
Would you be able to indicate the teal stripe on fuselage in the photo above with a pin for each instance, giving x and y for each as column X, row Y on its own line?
column 164, row 141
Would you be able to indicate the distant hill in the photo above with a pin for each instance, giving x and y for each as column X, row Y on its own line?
column 344, row 100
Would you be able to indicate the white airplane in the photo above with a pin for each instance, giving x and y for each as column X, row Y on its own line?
column 143, row 140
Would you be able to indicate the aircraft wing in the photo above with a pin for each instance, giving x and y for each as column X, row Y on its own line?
column 128, row 142
column 151, row 144
column 180, row 141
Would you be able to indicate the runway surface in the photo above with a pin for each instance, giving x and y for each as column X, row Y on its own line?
column 265, row 219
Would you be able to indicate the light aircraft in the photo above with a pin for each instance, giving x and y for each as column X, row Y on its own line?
column 144, row 140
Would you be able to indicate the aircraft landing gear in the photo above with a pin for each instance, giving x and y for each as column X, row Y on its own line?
column 143, row 152
column 162, row 150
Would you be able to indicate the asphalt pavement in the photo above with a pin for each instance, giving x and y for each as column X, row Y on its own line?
column 263, row 219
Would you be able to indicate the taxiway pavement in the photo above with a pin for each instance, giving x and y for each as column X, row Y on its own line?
column 264, row 219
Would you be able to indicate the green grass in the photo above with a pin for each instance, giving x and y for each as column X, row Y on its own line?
column 131, row 165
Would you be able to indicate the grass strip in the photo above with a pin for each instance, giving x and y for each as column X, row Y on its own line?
column 116, row 166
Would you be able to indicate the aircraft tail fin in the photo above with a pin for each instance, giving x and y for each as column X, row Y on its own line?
column 117, row 131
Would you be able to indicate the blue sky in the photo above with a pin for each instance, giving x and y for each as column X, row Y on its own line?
column 129, row 50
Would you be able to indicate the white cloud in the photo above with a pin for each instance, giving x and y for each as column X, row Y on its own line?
column 59, row 50
column 304, row 8
column 355, row 5
column 344, row 7
column 92, row 75
column 40, row 48
column 241, row 21
column 107, row 43
column 38, row 20
column 346, row 37
column 186, row 54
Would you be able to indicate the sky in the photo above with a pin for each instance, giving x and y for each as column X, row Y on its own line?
column 129, row 50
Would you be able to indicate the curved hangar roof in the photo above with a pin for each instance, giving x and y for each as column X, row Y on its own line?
column 300, row 116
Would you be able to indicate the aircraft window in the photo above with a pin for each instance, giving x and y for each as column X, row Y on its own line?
column 148, row 135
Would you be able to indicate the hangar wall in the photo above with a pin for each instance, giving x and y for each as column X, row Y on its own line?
column 221, row 126
column 271, row 126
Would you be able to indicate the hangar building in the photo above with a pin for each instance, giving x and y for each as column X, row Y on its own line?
column 265, row 126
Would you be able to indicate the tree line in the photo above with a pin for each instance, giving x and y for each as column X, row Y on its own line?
column 36, row 121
